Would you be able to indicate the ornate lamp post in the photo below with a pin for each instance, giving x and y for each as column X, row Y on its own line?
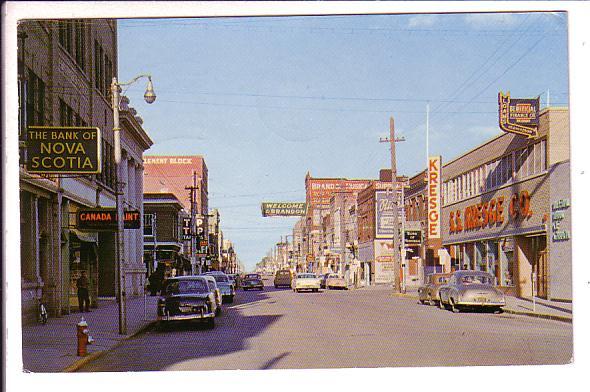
column 149, row 97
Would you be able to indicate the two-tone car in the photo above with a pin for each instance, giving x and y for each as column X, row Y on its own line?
column 186, row 298
column 305, row 281
column 224, row 285
column 252, row 281
column 428, row 292
column 471, row 289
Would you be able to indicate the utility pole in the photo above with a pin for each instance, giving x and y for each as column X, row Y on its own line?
column 193, row 199
column 396, row 251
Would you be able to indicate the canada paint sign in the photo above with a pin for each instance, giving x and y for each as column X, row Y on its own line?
column 63, row 150
column 434, row 205
column 106, row 219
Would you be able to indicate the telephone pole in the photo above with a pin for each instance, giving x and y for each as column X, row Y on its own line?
column 193, row 199
column 396, row 251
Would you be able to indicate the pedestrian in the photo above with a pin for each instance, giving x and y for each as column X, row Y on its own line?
column 155, row 281
column 83, row 298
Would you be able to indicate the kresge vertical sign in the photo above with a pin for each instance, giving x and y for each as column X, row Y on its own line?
column 63, row 150
column 434, row 189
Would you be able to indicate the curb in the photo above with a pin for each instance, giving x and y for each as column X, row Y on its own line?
column 564, row 319
column 97, row 354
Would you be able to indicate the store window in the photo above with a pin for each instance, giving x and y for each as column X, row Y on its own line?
column 467, row 256
column 492, row 259
column 480, row 256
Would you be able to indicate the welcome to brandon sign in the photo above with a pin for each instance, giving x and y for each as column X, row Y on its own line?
column 63, row 150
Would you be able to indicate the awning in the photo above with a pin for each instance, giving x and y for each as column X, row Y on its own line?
column 85, row 236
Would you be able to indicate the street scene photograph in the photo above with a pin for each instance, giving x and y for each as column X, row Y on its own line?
column 250, row 189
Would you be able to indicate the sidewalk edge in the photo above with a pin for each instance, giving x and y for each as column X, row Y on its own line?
column 97, row 354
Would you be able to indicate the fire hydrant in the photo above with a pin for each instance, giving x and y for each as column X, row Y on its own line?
column 84, row 338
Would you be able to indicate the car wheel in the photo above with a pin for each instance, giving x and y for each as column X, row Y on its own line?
column 231, row 299
column 218, row 311
column 421, row 301
column 276, row 286
column 245, row 289
column 454, row 308
column 431, row 301
column 498, row 310
column 441, row 303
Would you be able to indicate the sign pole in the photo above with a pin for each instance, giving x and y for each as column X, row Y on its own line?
column 120, row 243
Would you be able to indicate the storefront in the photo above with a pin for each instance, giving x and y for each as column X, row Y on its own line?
column 500, row 204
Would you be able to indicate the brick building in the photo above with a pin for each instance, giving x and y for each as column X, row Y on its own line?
column 506, row 209
column 65, row 71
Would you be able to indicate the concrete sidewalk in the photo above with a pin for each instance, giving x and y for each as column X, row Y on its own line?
column 53, row 347
column 542, row 308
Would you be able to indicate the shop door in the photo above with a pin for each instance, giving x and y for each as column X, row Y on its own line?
column 540, row 266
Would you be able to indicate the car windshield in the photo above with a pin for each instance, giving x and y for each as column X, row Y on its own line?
column 221, row 278
column 442, row 279
column 306, row 276
column 476, row 279
column 252, row 276
column 186, row 287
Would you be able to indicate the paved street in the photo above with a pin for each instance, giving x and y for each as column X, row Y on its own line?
column 277, row 328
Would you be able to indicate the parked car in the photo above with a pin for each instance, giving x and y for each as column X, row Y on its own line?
column 305, row 281
column 471, row 289
column 334, row 281
column 252, row 281
column 225, row 286
column 213, row 287
column 283, row 278
column 187, row 298
column 428, row 292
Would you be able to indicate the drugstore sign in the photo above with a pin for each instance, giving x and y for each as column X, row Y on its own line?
column 63, row 150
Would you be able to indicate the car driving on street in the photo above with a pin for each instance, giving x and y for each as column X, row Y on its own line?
column 283, row 278
column 186, row 298
column 306, row 281
column 252, row 281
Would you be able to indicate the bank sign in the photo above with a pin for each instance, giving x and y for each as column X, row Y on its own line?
column 518, row 115
column 284, row 209
column 63, row 150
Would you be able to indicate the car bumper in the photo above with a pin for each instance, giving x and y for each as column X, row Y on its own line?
column 192, row 316
column 481, row 303
column 307, row 287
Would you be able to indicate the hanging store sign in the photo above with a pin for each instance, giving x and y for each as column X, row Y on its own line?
column 284, row 209
column 412, row 237
column 186, row 229
column 518, row 115
column 63, row 150
column 434, row 204
column 106, row 219
column 557, row 219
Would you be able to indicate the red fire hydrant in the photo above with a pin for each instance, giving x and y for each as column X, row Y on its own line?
column 84, row 338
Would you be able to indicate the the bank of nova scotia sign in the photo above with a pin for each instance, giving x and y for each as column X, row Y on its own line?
column 63, row 150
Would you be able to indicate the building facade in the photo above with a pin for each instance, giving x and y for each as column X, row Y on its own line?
column 65, row 72
column 174, row 174
column 506, row 210
column 164, row 245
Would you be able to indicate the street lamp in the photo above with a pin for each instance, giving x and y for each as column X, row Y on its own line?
column 150, row 97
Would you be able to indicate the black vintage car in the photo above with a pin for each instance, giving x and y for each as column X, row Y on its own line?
column 252, row 281
column 187, row 298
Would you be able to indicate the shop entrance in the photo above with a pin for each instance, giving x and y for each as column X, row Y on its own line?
column 540, row 265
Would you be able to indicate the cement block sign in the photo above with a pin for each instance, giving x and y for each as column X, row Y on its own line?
column 63, row 150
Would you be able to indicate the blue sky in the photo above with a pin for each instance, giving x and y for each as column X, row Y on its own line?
column 265, row 100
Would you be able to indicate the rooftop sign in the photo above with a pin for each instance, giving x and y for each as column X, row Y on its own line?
column 518, row 115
